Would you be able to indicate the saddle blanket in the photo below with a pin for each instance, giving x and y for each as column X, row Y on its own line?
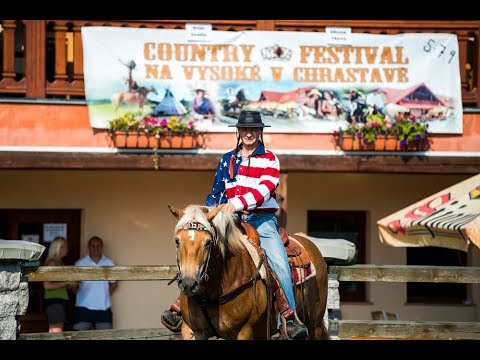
column 302, row 274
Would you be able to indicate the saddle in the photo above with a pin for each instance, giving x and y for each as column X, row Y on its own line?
column 297, row 256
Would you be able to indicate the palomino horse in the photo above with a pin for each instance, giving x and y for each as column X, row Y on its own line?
column 220, row 295
column 138, row 97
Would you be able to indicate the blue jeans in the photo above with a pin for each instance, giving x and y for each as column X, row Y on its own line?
column 270, row 241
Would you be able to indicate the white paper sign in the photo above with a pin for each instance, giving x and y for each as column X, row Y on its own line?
column 51, row 231
column 339, row 35
column 199, row 32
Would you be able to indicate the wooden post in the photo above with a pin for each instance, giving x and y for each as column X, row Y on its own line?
column 8, row 51
column 266, row 25
column 35, row 72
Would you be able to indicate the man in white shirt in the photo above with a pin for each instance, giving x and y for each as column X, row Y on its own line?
column 93, row 304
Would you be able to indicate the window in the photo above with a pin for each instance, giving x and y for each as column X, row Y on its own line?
column 446, row 293
column 348, row 225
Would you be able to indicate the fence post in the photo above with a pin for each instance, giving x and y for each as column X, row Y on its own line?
column 333, row 305
column 14, row 291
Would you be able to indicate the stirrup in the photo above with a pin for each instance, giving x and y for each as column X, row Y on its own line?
column 302, row 331
column 170, row 324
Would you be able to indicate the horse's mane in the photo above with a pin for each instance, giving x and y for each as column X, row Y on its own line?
column 228, row 235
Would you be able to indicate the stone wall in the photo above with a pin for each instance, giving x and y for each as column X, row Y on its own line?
column 13, row 300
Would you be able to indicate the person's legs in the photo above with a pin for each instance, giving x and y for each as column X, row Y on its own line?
column 82, row 326
column 270, row 241
column 56, row 315
column 83, row 319
column 103, row 325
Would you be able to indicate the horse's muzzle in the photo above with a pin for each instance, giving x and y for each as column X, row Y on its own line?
column 188, row 286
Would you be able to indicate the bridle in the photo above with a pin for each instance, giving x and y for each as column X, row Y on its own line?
column 207, row 266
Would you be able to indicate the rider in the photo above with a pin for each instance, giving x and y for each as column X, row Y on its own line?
column 246, row 180
column 132, row 84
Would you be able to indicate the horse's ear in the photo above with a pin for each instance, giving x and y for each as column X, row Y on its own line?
column 176, row 212
column 214, row 212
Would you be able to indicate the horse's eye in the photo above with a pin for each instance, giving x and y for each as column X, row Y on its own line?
column 177, row 241
column 208, row 242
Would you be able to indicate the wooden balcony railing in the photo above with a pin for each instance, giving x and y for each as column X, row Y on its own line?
column 44, row 59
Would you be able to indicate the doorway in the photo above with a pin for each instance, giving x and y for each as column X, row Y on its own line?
column 40, row 226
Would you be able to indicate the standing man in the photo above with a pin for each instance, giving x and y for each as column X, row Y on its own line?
column 93, row 304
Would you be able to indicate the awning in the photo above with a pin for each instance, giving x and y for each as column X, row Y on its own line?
column 449, row 218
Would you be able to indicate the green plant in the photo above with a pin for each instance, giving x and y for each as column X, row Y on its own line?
column 408, row 130
column 133, row 121
column 404, row 128
column 128, row 121
column 365, row 133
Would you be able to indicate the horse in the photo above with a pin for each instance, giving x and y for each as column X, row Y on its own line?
column 138, row 97
column 222, row 293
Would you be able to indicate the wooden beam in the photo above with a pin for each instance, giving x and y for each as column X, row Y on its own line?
column 407, row 273
column 182, row 160
column 120, row 334
column 431, row 330
column 77, row 273
column 385, row 273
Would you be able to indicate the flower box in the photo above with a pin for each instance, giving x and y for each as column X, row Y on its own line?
column 381, row 143
column 141, row 140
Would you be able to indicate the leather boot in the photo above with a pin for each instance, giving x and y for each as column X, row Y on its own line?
column 291, row 328
column 172, row 318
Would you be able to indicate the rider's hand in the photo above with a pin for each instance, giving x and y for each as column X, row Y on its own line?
column 229, row 207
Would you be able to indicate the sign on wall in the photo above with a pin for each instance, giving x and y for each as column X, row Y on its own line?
column 301, row 82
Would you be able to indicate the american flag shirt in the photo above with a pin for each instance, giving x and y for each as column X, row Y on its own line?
column 254, row 183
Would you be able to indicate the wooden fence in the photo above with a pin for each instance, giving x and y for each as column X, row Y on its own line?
column 343, row 329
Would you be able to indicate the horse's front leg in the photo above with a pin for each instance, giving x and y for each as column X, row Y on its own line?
column 245, row 333
column 188, row 334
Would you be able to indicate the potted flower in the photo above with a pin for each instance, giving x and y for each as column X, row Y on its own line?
column 361, row 136
column 410, row 133
column 404, row 133
column 171, row 132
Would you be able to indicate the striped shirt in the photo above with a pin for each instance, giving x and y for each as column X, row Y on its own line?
column 254, row 183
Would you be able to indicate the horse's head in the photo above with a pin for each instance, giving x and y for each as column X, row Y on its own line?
column 197, row 243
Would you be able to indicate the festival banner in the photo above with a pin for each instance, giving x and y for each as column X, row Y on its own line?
column 301, row 82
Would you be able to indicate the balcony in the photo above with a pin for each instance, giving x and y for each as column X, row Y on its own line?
column 43, row 59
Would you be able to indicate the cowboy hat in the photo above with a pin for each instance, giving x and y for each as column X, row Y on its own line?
column 249, row 119
column 314, row 92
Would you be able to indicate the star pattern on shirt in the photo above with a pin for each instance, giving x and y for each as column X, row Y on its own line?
column 225, row 164
column 238, row 160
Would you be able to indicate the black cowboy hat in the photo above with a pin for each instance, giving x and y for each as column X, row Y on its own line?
column 249, row 119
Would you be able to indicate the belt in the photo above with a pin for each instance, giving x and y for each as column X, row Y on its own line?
column 257, row 211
